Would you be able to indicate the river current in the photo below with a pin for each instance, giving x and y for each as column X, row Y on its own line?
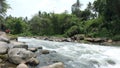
column 79, row 55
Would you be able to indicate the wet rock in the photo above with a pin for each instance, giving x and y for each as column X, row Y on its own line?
column 45, row 52
column 18, row 55
column 18, row 44
column 57, row 65
column 39, row 47
column 4, row 39
column 33, row 49
column 33, row 61
column 1, row 60
column 3, row 49
column 22, row 65
column 111, row 62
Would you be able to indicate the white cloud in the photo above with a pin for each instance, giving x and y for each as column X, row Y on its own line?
column 30, row 7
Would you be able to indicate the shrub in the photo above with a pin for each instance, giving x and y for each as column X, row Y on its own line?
column 72, row 31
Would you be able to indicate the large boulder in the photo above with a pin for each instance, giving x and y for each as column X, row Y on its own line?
column 18, row 55
column 3, row 48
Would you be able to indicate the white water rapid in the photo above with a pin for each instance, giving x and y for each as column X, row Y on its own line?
column 78, row 55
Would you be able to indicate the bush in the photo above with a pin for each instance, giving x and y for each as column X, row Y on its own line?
column 116, row 38
column 72, row 31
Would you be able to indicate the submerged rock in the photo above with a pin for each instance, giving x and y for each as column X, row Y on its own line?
column 45, row 52
column 18, row 55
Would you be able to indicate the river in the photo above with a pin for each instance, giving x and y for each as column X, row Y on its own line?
column 79, row 55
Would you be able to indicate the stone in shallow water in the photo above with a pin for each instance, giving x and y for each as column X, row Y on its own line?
column 33, row 49
column 22, row 65
column 45, row 52
column 33, row 61
column 57, row 65
column 111, row 62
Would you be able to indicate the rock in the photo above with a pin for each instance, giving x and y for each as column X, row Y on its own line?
column 18, row 44
column 22, row 65
column 3, row 49
column 45, row 67
column 21, row 46
column 18, row 55
column 57, row 65
column 3, row 37
column 2, row 66
column 66, row 40
column 98, row 40
column 33, row 49
column 89, row 39
column 78, row 37
column 39, row 48
column 1, row 60
column 95, row 40
column 33, row 61
column 45, row 52
column 109, row 41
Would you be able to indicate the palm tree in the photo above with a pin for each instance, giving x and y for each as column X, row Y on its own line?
column 3, row 7
column 76, row 6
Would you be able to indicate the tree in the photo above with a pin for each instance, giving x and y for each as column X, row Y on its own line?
column 3, row 7
column 76, row 8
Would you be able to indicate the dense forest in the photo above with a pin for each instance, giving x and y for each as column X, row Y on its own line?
column 100, row 19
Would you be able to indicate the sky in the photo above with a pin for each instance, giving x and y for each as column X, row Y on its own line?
column 23, row 8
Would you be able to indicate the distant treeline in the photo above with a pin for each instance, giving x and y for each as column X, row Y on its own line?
column 100, row 19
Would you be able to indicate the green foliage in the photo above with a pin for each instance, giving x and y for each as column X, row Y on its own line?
column 116, row 38
column 16, row 25
column 3, row 7
column 72, row 31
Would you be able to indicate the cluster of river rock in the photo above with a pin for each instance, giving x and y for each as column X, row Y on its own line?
column 20, row 55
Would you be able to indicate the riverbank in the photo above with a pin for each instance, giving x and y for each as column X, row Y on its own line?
column 80, row 39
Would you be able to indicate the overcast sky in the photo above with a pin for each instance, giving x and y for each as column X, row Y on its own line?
column 23, row 8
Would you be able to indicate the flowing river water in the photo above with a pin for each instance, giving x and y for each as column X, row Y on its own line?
column 78, row 55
